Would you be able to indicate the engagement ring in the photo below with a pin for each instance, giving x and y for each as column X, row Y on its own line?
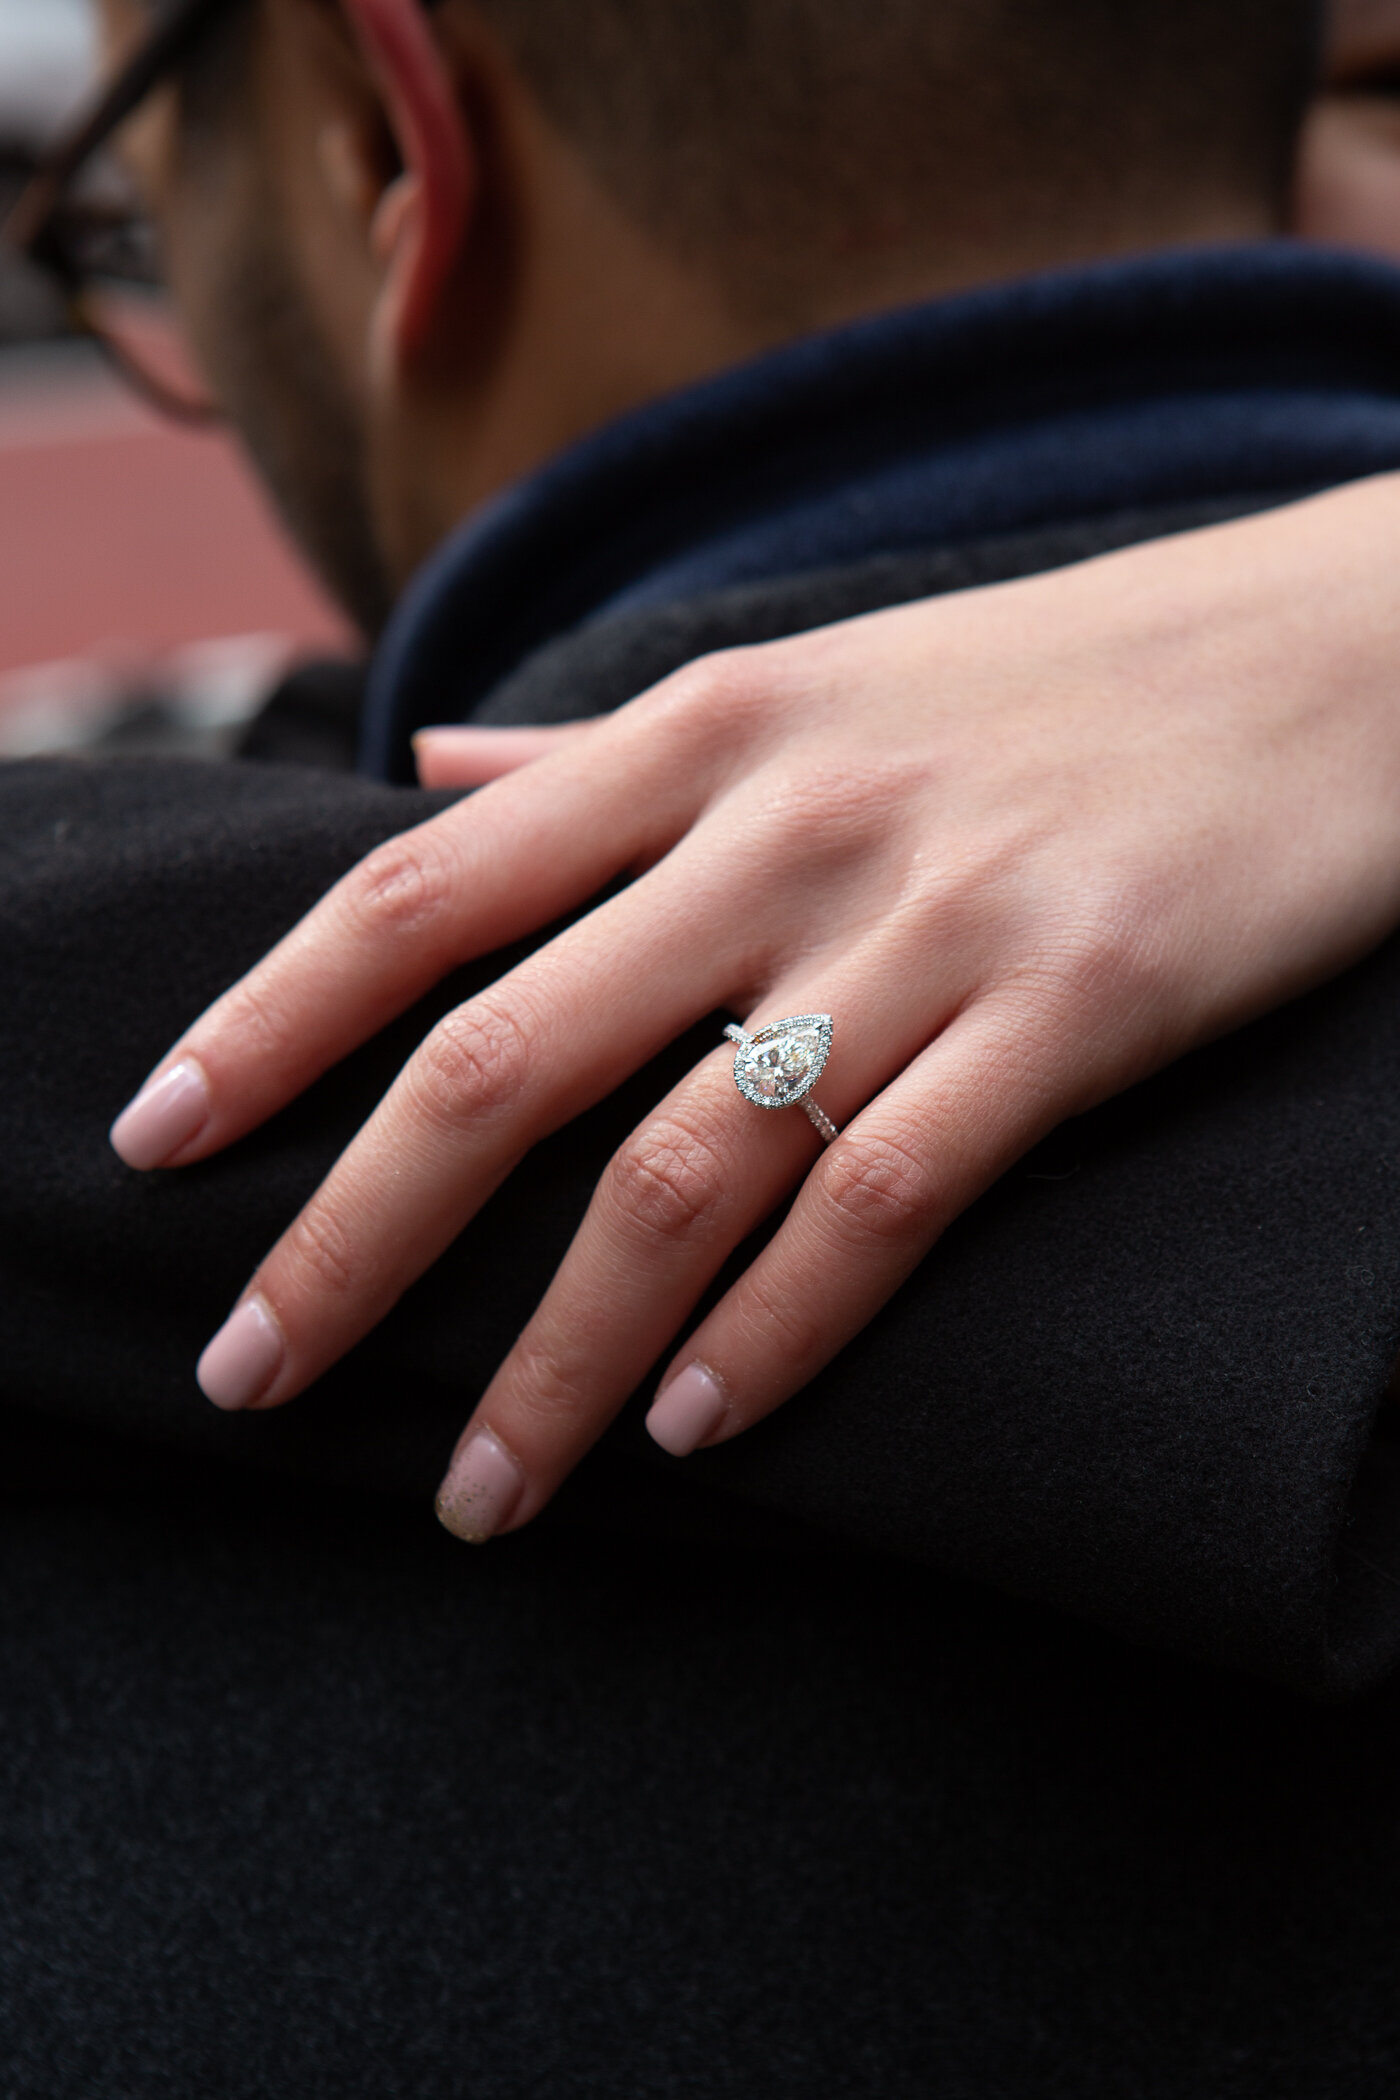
column 778, row 1066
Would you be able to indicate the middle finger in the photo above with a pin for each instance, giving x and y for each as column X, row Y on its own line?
column 689, row 1185
column 534, row 1050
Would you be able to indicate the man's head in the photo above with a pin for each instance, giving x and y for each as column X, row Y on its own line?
column 419, row 251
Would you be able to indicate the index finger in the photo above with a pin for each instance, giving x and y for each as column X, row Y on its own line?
column 488, row 871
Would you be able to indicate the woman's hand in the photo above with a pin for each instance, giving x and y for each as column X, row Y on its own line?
column 1025, row 845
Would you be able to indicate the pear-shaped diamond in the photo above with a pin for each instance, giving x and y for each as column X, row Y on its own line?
column 782, row 1062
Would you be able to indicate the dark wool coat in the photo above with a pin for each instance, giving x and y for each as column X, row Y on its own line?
column 781, row 1771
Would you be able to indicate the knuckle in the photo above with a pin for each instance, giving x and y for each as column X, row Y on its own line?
column 827, row 816
column 403, row 886
column 475, row 1061
column 878, row 1189
column 667, row 1182
column 320, row 1252
column 717, row 699
column 1106, row 948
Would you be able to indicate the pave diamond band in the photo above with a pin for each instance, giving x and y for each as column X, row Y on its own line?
column 819, row 1120
column 777, row 1066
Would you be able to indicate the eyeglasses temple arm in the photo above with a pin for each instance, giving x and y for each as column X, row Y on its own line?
column 28, row 221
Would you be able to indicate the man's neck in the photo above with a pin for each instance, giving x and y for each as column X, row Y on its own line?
column 1192, row 378
column 600, row 319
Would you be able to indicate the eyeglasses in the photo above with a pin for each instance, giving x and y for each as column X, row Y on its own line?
column 80, row 222
column 95, row 241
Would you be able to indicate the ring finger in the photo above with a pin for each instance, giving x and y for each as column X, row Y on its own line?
column 687, row 1188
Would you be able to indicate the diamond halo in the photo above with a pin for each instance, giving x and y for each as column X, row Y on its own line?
column 777, row 1066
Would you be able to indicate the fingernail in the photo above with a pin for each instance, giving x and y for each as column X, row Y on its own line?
column 689, row 1410
column 483, row 1486
column 243, row 1359
column 165, row 1115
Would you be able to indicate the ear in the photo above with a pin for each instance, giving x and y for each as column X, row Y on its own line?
column 421, row 220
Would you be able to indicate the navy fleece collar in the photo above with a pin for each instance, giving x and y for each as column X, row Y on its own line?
column 1174, row 378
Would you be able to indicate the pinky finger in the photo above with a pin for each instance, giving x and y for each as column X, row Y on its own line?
column 475, row 756
column 875, row 1203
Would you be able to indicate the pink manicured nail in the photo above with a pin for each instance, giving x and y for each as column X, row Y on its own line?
column 165, row 1115
column 483, row 1485
column 688, row 1411
column 243, row 1359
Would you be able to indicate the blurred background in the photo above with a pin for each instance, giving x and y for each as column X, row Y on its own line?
column 148, row 599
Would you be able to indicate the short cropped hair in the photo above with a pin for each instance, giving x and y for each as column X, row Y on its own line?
column 775, row 143
column 753, row 133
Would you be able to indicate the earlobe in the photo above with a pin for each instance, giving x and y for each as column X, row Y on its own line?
column 421, row 219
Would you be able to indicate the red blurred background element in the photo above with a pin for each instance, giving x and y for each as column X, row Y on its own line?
column 143, row 582
column 125, row 537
